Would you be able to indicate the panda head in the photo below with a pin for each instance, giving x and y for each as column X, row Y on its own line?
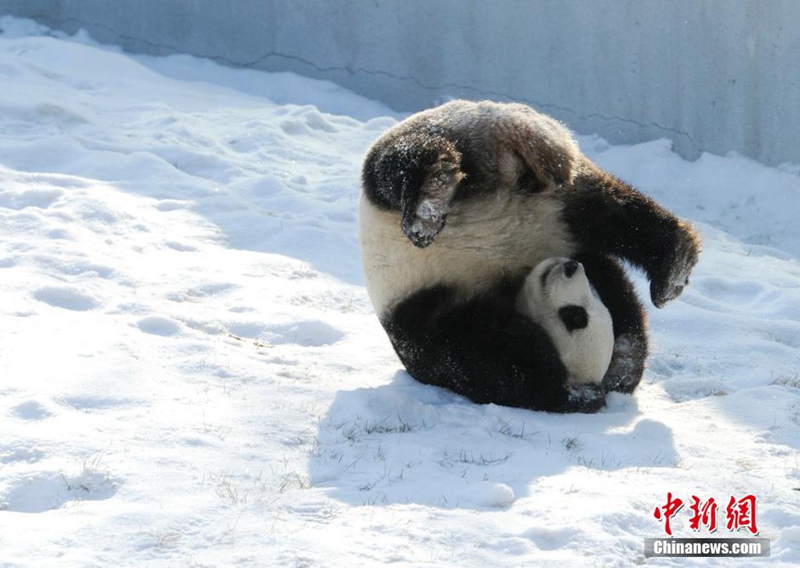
column 558, row 288
column 557, row 295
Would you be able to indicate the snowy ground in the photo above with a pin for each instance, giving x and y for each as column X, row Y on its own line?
column 191, row 372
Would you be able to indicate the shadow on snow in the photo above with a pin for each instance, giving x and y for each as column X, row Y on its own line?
column 411, row 443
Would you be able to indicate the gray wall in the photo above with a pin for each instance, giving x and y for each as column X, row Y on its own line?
column 714, row 75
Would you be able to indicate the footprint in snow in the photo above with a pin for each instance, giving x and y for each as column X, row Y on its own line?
column 159, row 325
column 38, row 198
column 305, row 333
column 31, row 410
column 21, row 454
column 180, row 247
column 67, row 298
column 46, row 491
column 728, row 291
column 309, row 333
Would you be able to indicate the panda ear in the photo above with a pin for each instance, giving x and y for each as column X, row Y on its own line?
column 574, row 317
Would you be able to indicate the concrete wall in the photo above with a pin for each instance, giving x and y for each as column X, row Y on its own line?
column 713, row 75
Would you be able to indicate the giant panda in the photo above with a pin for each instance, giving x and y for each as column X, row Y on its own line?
column 459, row 203
column 558, row 296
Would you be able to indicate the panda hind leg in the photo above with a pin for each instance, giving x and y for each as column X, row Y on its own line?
column 630, row 325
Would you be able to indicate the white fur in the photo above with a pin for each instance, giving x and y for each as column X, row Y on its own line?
column 484, row 239
column 586, row 353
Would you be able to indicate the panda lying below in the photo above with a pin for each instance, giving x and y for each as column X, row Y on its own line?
column 459, row 204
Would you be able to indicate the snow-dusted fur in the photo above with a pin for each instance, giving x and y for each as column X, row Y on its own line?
column 559, row 297
column 459, row 203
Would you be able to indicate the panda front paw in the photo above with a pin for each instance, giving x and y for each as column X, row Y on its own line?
column 422, row 223
column 673, row 275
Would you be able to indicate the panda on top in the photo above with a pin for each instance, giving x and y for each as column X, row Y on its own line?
column 471, row 215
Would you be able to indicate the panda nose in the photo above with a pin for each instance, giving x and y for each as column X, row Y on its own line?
column 570, row 268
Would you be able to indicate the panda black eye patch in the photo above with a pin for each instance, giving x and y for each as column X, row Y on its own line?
column 546, row 273
column 574, row 317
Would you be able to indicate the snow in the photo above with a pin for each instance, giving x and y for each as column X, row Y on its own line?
column 191, row 372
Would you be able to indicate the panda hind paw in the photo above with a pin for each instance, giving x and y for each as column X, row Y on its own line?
column 585, row 398
column 627, row 364
column 431, row 212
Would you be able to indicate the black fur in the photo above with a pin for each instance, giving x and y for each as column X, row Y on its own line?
column 480, row 346
column 485, row 350
column 393, row 174
column 570, row 268
column 610, row 217
column 573, row 317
